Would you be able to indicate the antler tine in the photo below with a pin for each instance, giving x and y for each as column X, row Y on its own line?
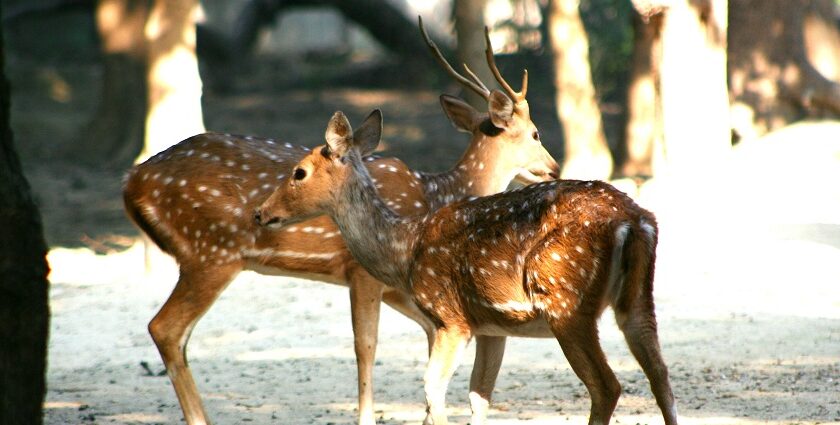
column 475, row 78
column 479, row 88
column 491, row 63
column 524, row 84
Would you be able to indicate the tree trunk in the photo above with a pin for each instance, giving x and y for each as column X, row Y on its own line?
column 174, row 84
column 469, row 28
column 586, row 153
column 24, row 311
column 695, row 103
column 115, row 134
column 644, row 123
column 789, row 70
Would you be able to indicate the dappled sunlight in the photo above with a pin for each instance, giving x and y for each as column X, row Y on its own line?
column 83, row 267
column 821, row 44
column 62, row 405
column 143, row 418
column 760, row 237
column 174, row 107
column 58, row 87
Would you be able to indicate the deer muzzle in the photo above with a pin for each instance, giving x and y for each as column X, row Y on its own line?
column 265, row 219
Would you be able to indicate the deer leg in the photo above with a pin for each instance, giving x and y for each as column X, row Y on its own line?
column 639, row 326
column 489, row 352
column 365, row 299
column 402, row 303
column 636, row 317
column 197, row 289
column 446, row 355
column 579, row 341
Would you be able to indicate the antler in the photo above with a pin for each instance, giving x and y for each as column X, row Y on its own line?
column 473, row 83
column 491, row 62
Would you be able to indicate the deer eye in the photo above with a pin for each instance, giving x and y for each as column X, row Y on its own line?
column 300, row 174
column 536, row 135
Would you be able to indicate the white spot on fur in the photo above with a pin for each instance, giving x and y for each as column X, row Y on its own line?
column 511, row 306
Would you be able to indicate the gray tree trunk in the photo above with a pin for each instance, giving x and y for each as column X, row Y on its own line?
column 174, row 94
column 469, row 26
column 115, row 134
column 586, row 153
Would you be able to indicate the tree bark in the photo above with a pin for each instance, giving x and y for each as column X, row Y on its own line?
column 586, row 153
column 788, row 71
column 644, row 123
column 115, row 134
column 24, row 311
column 174, row 84
column 695, row 103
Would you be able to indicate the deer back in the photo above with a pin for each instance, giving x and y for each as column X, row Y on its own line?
column 196, row 201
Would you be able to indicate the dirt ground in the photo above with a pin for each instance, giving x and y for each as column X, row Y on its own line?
column 747, row 291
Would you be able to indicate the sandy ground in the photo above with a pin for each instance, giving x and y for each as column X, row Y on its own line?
column 747, row 297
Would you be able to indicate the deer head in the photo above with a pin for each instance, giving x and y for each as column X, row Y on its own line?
column 506, row 127
column 315, row 181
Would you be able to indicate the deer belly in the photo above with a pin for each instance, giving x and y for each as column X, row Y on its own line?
column 317, row 275
column 536, row 328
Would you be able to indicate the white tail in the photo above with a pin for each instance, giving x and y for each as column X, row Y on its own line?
column 196, row 201
column 540, row 261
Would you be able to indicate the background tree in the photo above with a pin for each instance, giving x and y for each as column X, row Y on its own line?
column 695, row 104
column 586, row 153
column 469, row 28
column 643, row 133
column 24, row 312
column 174, row 84
column 115, row 134
column 787, row 71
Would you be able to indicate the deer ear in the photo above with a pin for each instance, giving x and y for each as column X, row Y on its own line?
column 501, row 109
column 367, row 136
column 339, row 134
column 463, row 116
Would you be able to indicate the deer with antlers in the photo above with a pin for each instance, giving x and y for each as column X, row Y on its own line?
column 195, row 201
column 541, row 261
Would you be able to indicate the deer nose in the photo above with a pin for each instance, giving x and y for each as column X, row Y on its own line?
column 264, row 218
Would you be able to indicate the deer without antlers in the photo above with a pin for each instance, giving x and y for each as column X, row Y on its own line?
column 540, row 261
column 195, row 199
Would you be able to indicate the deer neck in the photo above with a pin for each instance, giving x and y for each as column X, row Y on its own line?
column 477, row 173
column 379, row 239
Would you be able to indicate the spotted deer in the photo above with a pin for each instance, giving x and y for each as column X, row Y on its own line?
column 540, row 261
column 195, row 201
